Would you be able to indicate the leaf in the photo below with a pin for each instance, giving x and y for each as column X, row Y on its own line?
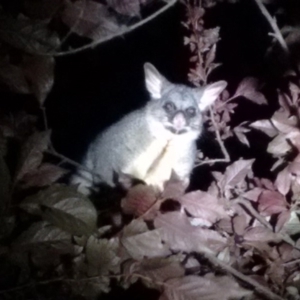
column 180, row 235
column 248, row 89
column 283, row 124
column 241, row 137
column 260, row 234
column 271, row 202
column 13, row 77
column 210, row 57
column 282, row 219
column 45, row 175
column 39, row 73
column 239, row 224
column 208, row 287
column 34, row 74
column 202, row 205
column 101, row 255
column 252, row 194
column 279, row 145
column 265, row 126
column 292, row 225
column 32, row 153
column 157, row 270
column 173, row 188
column 129, row 8
column 42, row 232
column 89, row 19
column 139, row 200
column 143, row 244
column 236, row 173
column 30, row 36
column 65, row 208
column 283, row 181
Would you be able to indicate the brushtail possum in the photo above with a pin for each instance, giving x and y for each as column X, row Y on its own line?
column 151, row 142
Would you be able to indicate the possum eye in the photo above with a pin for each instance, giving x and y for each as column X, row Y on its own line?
column 169, row 107
column 191, row 112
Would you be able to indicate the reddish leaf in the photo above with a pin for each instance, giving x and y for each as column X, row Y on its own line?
column 271, row 202
column 252, row 194
column 139, row 200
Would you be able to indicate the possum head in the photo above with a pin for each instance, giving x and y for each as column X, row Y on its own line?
column 178, row 107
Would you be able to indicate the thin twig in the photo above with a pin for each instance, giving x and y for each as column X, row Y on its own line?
column 293, row 262
column 255, row 214
column 44, row 117
column 107, row 38
column 252, row 211
column 249, row 280
column 272, row 21
column 72, row 162
column 221, row 144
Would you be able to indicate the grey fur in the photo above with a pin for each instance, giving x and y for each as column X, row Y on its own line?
column 152, row 141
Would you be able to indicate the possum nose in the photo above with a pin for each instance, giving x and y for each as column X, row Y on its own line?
column 179, row 121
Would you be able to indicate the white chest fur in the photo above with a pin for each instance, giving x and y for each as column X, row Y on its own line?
column 155, row 164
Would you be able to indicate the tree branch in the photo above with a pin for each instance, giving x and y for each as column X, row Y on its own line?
column 272, row 21
column 221, row 144
column 71, row 162
column 121, row 32
column 261, row 289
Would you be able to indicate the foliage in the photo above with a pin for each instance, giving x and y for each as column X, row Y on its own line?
column 238, row 239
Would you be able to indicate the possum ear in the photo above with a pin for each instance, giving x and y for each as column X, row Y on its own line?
column 210, row 93
column 154, row 81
